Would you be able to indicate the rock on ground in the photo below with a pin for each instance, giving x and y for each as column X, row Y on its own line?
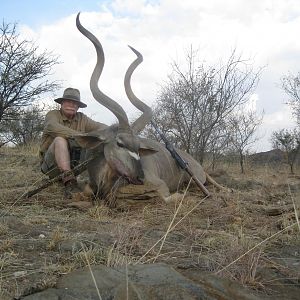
column 147, row 282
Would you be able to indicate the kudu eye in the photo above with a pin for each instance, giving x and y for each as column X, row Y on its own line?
column 121, row 145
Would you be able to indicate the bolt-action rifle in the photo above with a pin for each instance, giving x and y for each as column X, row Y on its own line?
column 180, row 161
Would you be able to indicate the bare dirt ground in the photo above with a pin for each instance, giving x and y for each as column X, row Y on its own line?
column 250, row 236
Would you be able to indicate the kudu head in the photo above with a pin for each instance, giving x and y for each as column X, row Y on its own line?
column 120, row 145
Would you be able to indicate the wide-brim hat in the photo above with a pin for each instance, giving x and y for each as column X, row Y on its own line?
column 71, row 94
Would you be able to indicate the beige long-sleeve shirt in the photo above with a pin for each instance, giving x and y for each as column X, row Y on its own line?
column 57, row 124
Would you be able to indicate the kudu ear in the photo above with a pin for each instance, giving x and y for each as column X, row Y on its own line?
column 91, row 139
column 145, row 150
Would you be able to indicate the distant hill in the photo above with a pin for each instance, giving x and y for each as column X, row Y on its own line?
column 272, row 156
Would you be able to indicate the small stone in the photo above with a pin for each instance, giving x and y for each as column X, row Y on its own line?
column 42, row 236
column 20, row 273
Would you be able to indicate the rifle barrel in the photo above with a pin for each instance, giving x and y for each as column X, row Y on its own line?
column 180, row 161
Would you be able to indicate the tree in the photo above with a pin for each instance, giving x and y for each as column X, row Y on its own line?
column 218, row 144
column 289, row 142
column 291, row 86
column 242, row 125
column 197, row 99
column 26, row 129
column 23, row 72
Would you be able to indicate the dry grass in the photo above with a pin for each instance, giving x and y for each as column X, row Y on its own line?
column 244, row 236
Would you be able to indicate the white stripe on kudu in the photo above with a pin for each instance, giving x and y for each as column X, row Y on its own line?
column 134, row 155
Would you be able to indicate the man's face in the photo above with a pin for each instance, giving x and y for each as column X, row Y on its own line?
column 69, row 108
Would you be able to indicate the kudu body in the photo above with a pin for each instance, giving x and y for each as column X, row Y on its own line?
column 120, row 152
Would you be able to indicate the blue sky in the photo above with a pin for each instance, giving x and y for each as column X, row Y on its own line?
column 37, row 12
column 265, row 31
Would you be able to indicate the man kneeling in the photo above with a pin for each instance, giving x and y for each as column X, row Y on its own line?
column 58, row 151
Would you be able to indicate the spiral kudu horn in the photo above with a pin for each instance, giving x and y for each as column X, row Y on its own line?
column 103, row 99
column 139, row 124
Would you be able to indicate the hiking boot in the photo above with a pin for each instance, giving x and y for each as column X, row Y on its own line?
column 72, row 190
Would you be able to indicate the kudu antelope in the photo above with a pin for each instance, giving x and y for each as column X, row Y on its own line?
column 120, row 152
